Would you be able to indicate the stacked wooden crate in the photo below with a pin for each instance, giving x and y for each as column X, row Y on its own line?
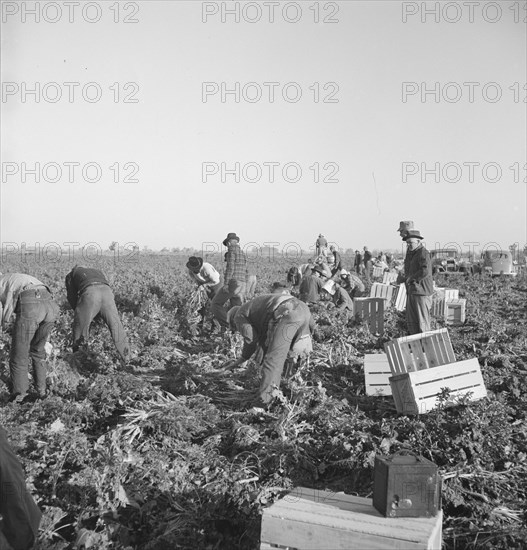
column 389, row 277
column 309, row 519
column 422, row 365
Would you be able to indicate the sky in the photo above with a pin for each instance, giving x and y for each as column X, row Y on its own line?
column 340, row 118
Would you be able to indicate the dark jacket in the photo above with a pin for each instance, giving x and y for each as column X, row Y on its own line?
column 367, row 257
column 21, row 516
column 80, row 278
column 309, row 288
column 418, row 272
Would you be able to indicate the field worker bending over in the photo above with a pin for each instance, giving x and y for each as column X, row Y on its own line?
column 20, row 515
column 278, row 326
column 419, row 283
column 32, row 303
column 233, row 289
column 352, row 284
column 339, row 296
column 89, row 294
column 205, row 275
column 310, row 286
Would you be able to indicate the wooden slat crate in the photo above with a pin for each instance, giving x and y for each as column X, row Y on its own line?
column 378, row 271
column 399, row 299
column 420, row 351
column 455, row 311
column 416, row 392
column 439, row 299
column 372, row 311
column 308, row 519
column 380, row 290
column 377, row 374
column 389, row 277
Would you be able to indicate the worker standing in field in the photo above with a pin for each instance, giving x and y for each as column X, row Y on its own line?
column 358, row 265
column 274, row 327
column 367, row 261
column 89, row 294
column 20, row 515
column 35, row 314
column 337, row 261
column 250, row 280
column 321, row 245
column 419, row 283
column 234, row 285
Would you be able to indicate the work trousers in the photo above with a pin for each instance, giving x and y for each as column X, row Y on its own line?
column 289, row 327
column 368, row 270
column 251, row 287
column 235, row 293
column 98, row 299
column 36, row 313
column 418, row 313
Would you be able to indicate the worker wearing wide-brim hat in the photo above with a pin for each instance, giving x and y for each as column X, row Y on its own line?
column 204, row 275
column 339, row 296
column 419, row 283
column 404, row 227
column 234, row 279
column 274, row 327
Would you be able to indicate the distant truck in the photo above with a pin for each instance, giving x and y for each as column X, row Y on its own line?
column 498, row 262
column 448, row 260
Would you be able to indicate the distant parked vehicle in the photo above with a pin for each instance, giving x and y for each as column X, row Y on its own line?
column 444, row 260
column 498, row 262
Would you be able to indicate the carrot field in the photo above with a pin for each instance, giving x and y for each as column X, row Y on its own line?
column 161, row 454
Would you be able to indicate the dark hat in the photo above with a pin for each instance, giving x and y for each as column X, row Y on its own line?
column 194, row 263
column 405, row 225
column 413, row 234
column 318, row 269
column 229, row 237
column 279, row 288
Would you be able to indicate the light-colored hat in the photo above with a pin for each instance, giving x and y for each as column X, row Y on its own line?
column 329, row 287
column 344, row 272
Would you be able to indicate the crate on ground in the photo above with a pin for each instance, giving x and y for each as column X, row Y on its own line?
column 439, row 299
column 420, row 351
column 380, row 290
column 455, row 311
column 377, row 271
column 389, row 277
column 377, row 374
column 309, row 519
column 372, row 311
column 399, row 297
column 417, row 392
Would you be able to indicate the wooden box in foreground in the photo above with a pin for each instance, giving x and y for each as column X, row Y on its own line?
column 307, row 519
column 377, row 374
column 417, row 392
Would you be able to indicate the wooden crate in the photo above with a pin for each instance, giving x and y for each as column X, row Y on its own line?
column 389, row 277
column 372, row 311
column 439, row 299
column 420, row 351
column 377, row 271
column 380, row 290
column 377, row 374
column 399, row 298
column 455, row 311
column 308, row 519
column 416, row 392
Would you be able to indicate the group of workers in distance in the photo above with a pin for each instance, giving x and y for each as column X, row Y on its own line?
column 275, row 326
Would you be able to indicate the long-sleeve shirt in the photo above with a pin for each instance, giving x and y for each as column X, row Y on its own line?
column 309, row 288
column 11, row 285
column 80, row 278
column 252, row 320
column 418, row 272
column 366, row 257
column 207, row 275
column 342, row 299
column 352, row 282
column 21, row 516
column 337, row 263
column 236, row 264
